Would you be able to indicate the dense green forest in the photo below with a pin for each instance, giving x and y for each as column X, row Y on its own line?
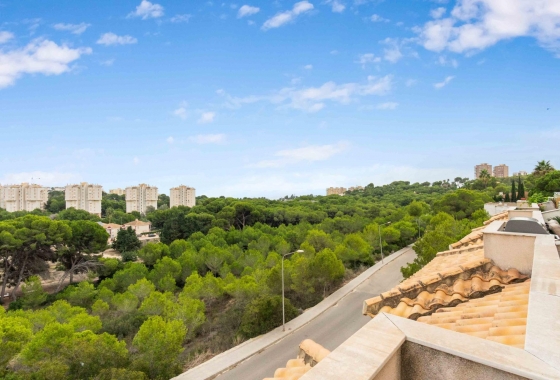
column 213, row 281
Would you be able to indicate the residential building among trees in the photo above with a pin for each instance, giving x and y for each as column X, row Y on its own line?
column 479, row 168
column 139, row 198
column 182, row 196
column 501, row 171
column 24, row 197
column 117, row 191
column 336, row 190
column 139, row 226
column 84, row 196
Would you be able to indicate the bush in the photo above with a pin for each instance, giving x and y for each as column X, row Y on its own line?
column 122, row 325
column 120, row 374
column 538, row 198
column 129, row 256
column 263, row 314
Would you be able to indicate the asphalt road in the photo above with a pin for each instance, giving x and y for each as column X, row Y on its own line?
column 329, row 329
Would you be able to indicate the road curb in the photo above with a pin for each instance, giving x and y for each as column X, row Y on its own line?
column 212, row 368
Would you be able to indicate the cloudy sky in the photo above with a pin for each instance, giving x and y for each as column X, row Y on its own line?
column 269, row 98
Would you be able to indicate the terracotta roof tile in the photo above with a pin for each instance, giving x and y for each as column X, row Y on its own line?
column 310, row 352
column 452, row 277
column 500, row 216
column 500, row 317
column 474, row 238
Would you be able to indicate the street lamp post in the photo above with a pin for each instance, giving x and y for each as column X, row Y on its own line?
column 283, row 308
column 380, row 242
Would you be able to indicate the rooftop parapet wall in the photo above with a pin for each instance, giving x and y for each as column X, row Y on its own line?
column 543, row 325
column 547, row 215
column 509, row 249
column 390, row 347
column 526, row 213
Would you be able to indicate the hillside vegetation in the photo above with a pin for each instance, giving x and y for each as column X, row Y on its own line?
column 213, row 281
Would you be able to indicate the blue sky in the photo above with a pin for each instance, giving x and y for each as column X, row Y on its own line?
column 268, row 98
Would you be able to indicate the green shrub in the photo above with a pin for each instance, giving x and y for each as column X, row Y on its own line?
column 129, row 256
column 264, row 314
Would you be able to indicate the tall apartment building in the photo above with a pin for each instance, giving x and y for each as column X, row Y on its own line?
column 336, row 190
column 138, row 198
column 84, row 196
column 24, row 197
column 117, row 191
column 501, row 171
column 182, row 196
column 479, row 168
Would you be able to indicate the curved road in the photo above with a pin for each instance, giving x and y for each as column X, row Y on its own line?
column 329, row 329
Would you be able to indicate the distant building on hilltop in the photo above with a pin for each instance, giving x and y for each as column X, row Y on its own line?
column 479, row 168
column 519, row 173
column 24, row 197
column 84, row 196
column 356, row 188
column 182, row 196
column 118, row 191
column 139, row 198
column 501, row 171
column 336, row 190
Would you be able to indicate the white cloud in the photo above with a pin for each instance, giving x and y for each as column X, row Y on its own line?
column 308, row 67
column 411, row 82
column 209, row 139
column 364, row 59
column 182, row 111
column 393, row 52
column 147, row 10
column 72, row 28
column 475, row 25
column 334, row 52
column 108, row 39
column 445, row 82
column 181, row 18
column 444, row 61
column 5, row 37
column 438, row 12
column 309, row 153
column 108, row 62
column 136, row 160
column 387, row 106
column 38, row 57
column 206, row 118
column 377, row 18
column 170, row 140
column 313, row 99
column 41, row 178
column 336, row 5
column 287, row 16
column 247, row 10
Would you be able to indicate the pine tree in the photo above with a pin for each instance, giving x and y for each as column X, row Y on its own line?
column 513, row 194
column 507, row 199
column 520, row 188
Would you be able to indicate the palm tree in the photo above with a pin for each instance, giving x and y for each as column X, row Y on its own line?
column 484, row 176
column 543, row 167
